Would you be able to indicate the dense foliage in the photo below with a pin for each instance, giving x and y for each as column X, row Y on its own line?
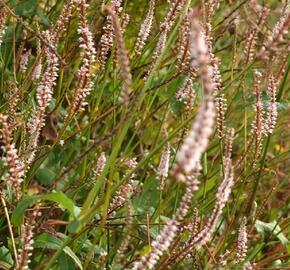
column 144, row 134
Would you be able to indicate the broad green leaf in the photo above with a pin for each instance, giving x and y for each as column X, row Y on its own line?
column 5, row 258
column 57, row 197
column 271, row 228
column 47, row 241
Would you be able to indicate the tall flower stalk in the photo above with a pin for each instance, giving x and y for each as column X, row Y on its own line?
column 85, row 76
column 44, row 94
column 145, row 28
column 11, row 159
column 123, row 58
column 187, row 165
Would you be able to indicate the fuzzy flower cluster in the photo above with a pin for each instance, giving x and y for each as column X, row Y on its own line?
column 107, row 38
column 37, row 71
column 249, row 266
column 88, row 54
column 165, row 27
column 170, row 18
column 122, row 57
column 272, row 110
column 126, row 191
column 222, row 197
column 38, row 65
column 252, row 35
column 210, row 7
column 187, row 166
column 278, row 35
column 229, row 145
column 145, row 28
column 24, row 60
column 197, row 140
column 164, row 165
column 44, row 94
column 170, row 229
column 183, row 54
column 126, row 239
column 192, row 185
column 12, row 161
column 184, row 94
column 101, row 163
column 63, row 19
column 194, row 223
column 217, row 78
column 27, row 239
column 223, row 262
column 258, row 125
column 161, row 243
column 3, row 15
column 241, row 251
column 221, row 107
column 13, row 101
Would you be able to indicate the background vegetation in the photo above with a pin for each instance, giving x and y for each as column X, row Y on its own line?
column 83, row 215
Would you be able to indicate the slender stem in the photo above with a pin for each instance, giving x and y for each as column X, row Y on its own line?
column 10, row 230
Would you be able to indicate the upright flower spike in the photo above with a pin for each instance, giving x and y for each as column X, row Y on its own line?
column 223, row 259
column 210, row 7
column 165, row 27
column 258, row 125
column 61, row 24
column 107, row 38
column 222, row 197
column 278, row 34
column 84, row 83
column 221, row 107
column 164, row 165
column 123, row 58
column 126, row 239
column 241, row 251
column 170, row 229
column 229, row 145
column 3, row 15
column 187, row 166
column 44, row 94
column 126, row 191
column 145, row 28
column 15, row 166
column 24, row 60
column 174, row 8
column 196, row 142
column 13, row 102
column 27, row 238
column 38, row 65
column 184, row 92
column 252, row 35
column 101, row 163
column 272, row 110
column 183, row 54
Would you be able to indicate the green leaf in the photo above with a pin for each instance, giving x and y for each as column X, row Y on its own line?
column 58, row 197
column 271, row 228
column 45, row 175
column 44, row 19
column 5, row 258
column 47, row 241
column 18, row 213
column 26, row 8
